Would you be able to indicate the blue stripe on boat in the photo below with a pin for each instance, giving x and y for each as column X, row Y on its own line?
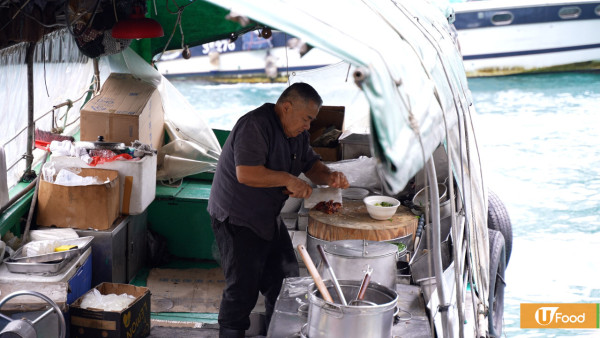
column 530, row 52
column 523, row 15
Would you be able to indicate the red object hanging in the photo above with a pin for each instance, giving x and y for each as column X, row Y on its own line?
column 137, row 26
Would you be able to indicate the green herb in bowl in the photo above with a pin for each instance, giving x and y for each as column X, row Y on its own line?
column 401, row 246
column 383, row 204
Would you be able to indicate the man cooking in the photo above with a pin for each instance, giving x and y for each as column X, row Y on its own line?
column 258, row 169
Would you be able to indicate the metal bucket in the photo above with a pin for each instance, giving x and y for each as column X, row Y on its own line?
column 350, row 258
column 336, row 320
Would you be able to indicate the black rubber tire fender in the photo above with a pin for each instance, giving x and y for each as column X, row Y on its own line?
column 497, row 284
column 499, row 220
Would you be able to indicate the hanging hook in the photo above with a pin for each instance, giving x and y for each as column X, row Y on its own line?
column 266, row 32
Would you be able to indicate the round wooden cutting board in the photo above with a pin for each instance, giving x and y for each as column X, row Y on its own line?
column 352, row 221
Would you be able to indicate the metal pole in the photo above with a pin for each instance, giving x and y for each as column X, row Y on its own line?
column 437, row 247
column 30, row 110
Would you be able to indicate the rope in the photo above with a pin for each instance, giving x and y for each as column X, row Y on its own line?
column 179, row 12
column 177, row 22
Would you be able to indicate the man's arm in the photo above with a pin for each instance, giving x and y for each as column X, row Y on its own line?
column 321, row 174
column 262, row 177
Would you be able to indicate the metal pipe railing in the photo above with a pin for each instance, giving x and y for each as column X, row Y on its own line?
column 30, row 109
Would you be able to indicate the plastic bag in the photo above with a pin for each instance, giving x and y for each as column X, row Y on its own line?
column 48, row 172
column 100, row 158
column 53, row 234
column 39, row 248
column 110, row 302
column 360, row 172
column 68, row 177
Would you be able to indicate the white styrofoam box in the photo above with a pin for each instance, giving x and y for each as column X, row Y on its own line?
column 143, row 172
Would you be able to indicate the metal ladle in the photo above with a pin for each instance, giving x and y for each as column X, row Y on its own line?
column 363, row 289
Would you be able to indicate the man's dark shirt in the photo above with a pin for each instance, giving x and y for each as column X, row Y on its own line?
column 257, row 139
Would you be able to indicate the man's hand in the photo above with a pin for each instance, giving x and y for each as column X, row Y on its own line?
column 298, row 188
column 338, row 180
column 321, row 174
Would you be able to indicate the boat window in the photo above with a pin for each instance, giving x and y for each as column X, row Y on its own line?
column 597, row 10
column 570, row 12
column 502, row 18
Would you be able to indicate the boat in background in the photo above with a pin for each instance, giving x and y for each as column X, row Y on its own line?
column 496, row 38
column 524, row 36
column 249, row 58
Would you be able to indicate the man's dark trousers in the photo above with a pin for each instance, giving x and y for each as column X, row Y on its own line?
column 251, row 265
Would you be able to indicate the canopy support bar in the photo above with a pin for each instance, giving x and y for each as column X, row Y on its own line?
column 437, row 247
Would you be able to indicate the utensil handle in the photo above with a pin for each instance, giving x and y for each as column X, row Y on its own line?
column 338, row 289
column 363, row 286
column 314, row 273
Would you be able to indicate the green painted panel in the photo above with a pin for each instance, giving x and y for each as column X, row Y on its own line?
column 164, row 191
column 205, row 176
column 202, row 22
column 209, row 318
column 186, row 226
column 11, row 218
column 182, row 218
column 195, row 190
column 221, row 135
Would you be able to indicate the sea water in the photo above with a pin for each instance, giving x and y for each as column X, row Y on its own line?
column 540, row 140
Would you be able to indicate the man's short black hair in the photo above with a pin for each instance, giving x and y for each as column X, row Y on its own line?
column 300, row 90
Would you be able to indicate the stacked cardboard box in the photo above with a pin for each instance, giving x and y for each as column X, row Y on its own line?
column 127, row 109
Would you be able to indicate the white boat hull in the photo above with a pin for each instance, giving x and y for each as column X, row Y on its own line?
column 535, row 39
column 560, row 44
column 245, row 64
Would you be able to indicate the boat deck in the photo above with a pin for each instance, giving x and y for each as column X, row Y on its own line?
column 412, row 319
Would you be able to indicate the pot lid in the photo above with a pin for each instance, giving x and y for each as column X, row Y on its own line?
column 360, row 248
column 100, row 144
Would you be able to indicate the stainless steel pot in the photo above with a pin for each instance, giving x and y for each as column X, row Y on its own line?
column 350, row 259
column 311, row 247
column 312, row 242
column 348, row 321
column 419, row 202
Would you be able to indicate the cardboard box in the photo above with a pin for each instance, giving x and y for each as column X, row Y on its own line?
column 132, row 322
column 82, row 207
column 127, row 109
column 140, row 174
column 328, row 116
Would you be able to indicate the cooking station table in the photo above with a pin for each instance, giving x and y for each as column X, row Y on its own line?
column 287, row 320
